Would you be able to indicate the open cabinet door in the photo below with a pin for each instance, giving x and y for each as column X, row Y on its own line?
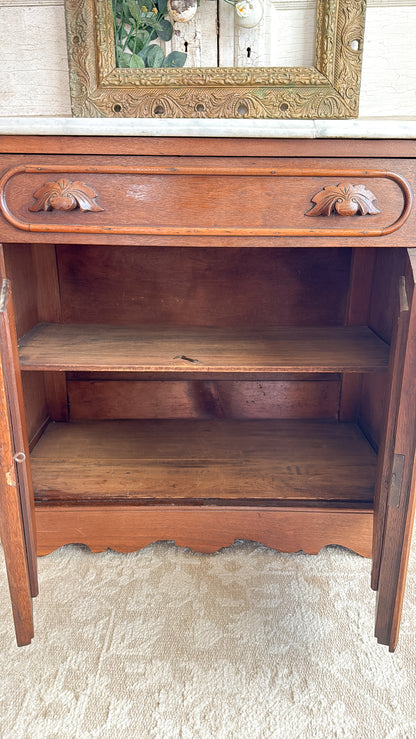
column 395, row 489
column 16, row 497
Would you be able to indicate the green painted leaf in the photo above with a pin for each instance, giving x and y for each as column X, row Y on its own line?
column 175, row 59
column 123, row 59
column 164, row 30
column 134, row 11
column 136, row 62
column 138, row 42
column 151, row 21
column 154, row 56
column 162, row 6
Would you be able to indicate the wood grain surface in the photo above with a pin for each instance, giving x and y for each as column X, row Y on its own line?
column 244, row 201
column 16, row 499
column 200, row 460
column 55, row 346
column 256, row 198
column 202, row 528
column 396, row 499
column 246, row 288
column 208, row 398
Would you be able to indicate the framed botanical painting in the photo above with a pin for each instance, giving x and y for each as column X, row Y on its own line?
column 213, row 58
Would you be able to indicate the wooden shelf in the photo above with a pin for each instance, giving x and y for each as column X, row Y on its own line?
column 68, row 347
column 204, row 461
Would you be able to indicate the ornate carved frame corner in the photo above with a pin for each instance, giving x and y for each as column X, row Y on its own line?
column 330, row 89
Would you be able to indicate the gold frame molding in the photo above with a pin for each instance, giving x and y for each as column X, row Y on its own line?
column 330, row 89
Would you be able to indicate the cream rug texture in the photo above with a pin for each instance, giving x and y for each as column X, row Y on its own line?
column 168, row 644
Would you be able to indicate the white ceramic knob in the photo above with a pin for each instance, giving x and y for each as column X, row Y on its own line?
column 181, row 11
column 248, row 13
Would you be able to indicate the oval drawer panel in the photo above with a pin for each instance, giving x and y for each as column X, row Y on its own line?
column 210, row 200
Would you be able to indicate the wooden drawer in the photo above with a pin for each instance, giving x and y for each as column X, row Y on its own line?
column 205, row 200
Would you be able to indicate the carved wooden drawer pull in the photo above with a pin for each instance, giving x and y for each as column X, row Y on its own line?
column 345, row 199
column 65, row 195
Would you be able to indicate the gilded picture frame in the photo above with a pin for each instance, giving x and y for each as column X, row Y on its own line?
column 329, row 89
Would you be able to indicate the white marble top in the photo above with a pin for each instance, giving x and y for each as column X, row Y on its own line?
column 360, row 128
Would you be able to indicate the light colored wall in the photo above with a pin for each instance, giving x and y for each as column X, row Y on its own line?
column 33, row 59
column 34, row 70
column 388, row 84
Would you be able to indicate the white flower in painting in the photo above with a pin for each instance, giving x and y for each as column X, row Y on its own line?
column 248, row 13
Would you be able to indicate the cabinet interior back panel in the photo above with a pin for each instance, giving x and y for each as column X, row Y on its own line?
column 106, row 399
column 203, row 287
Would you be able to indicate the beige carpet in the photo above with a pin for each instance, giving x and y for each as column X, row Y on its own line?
column 169, row 644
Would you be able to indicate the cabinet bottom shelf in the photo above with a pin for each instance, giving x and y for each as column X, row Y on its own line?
column 123, row 484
